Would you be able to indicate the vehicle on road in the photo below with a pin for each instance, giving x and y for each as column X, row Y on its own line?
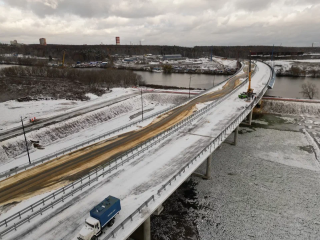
column 243, row 95
column 101, row 215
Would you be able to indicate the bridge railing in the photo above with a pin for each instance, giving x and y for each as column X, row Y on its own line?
column 78, row 185
column 62, row 152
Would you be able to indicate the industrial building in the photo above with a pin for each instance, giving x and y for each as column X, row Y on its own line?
column 43, row 41
column 173, row 57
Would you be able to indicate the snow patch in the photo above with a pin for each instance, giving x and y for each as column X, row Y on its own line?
column 291, row 108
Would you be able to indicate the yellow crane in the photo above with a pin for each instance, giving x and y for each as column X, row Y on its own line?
column 250, row 90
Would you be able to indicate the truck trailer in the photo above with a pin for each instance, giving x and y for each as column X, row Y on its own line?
column 101, row 215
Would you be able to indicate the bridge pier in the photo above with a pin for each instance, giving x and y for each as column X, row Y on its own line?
column 248, row 119
column 158, row 211
column 207, row 175
column 236, row 133
column 143, row 232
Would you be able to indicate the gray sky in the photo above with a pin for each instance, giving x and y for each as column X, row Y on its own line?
column 165, row 22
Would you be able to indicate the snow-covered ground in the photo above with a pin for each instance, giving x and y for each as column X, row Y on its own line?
column 290, row 107
column 266, row 187
column 304, row 65
column 229, row 63
column 11, row 111
column 136, row 181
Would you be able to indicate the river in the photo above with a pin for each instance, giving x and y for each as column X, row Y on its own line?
column 284, row 86
column 289, row 87
column 181, row 79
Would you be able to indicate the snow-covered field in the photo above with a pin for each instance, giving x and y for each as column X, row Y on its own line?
column 289, row 107
column 264, row 188
column 306, row 65
column 11, row 111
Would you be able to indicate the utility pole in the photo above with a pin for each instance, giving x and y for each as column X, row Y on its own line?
column 141, row 98
column 189, row 85
column 25, row 138
column 141, row 103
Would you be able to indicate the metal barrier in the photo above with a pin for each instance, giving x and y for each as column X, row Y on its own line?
column 62, row 152
column 130, row 218
column 102, row 170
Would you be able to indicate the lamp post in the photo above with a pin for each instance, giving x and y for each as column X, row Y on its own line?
column 25, row 138
column 141, row 98
column 141, row 103
column 189, row 85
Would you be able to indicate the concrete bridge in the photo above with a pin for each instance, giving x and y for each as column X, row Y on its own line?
column 148, row 174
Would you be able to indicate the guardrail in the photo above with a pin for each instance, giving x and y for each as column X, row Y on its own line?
column 61, row 152
column 208, row 149
column 102, row 170
column 130, row 218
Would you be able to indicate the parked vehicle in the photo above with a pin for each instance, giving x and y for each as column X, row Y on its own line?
column 243, row 95
column 101, row 215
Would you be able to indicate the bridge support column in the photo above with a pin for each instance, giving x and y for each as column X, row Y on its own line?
column 158, row 211
column 207, row 175
column 236, row 132
column 143, row 232
column 250, row 117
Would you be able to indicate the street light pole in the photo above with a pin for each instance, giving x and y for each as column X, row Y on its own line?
column 189, row 85
column 25, row 138
column 141, row 98
column 141, row 104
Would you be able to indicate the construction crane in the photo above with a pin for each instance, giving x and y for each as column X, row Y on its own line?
column 248, row 95
column 250, row 90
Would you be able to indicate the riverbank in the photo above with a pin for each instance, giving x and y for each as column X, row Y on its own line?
column 297, row 68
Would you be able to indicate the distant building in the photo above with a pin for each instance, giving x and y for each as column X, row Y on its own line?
column 14, row 42
column 43, row 41
column 117, row 40
column 173, row 57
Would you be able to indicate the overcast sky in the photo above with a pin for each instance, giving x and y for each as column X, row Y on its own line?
column 165, row 22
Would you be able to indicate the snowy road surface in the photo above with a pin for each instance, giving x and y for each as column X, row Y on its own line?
column 136, row 181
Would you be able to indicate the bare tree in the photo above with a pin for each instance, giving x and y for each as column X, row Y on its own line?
column 309, row 90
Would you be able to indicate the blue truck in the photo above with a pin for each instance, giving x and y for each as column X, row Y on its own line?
column 101, row 215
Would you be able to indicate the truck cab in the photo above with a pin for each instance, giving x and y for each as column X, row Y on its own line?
column 90, row 230
column 100, row 216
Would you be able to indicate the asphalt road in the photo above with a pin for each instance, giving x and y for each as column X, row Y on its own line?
column 13, row 132
column 53, row 174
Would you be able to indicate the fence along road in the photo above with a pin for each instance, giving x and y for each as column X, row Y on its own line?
column 164, row 184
